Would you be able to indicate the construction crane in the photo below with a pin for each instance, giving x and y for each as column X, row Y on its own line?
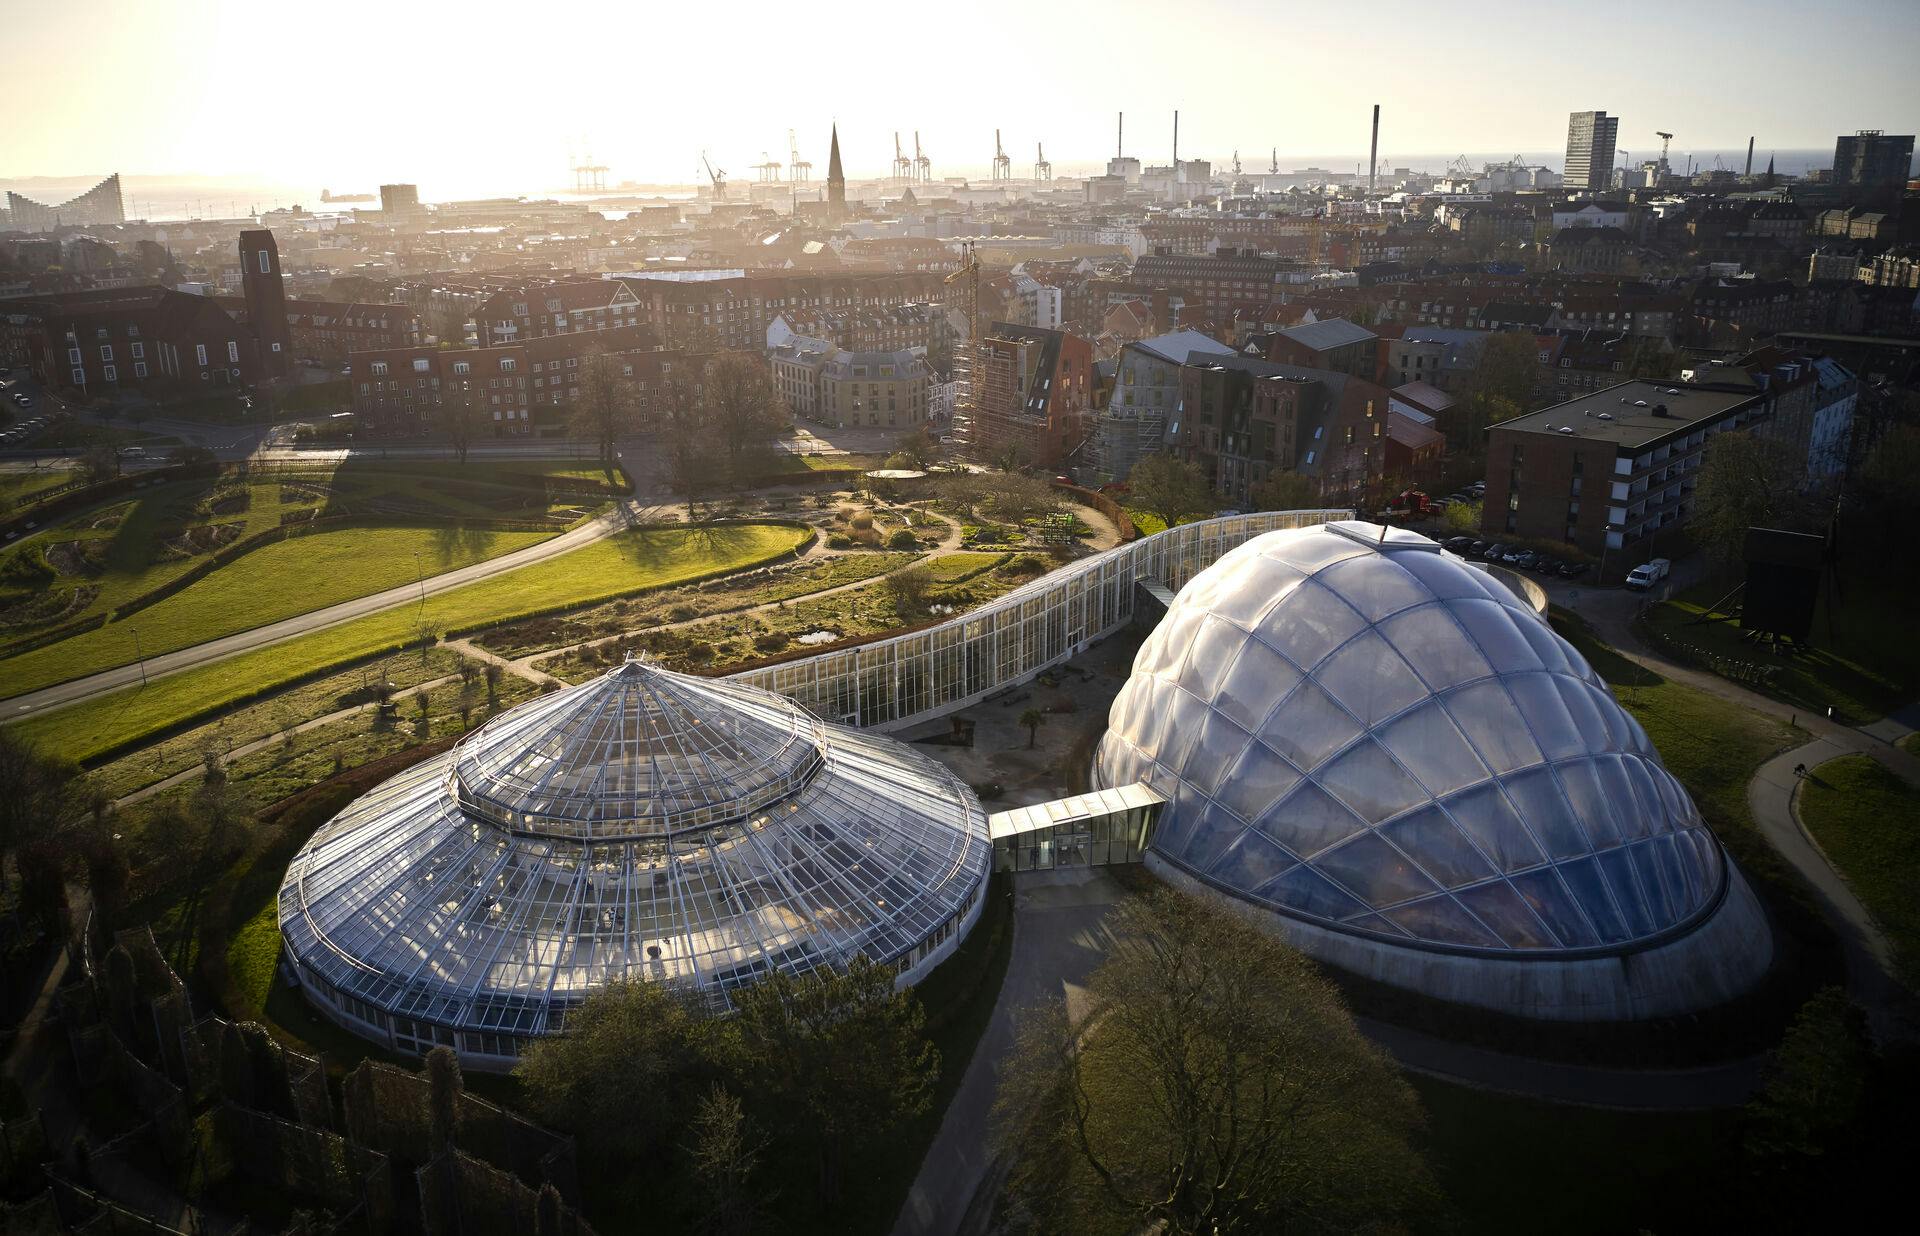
column 1236, row 160
column 769, row 169
column 902, row 166
column 1274, row 166
column 1002, row 165
column 1042, row 170
column 717, row 176
column 922, row 166
column 798, row 169
column 1666, row 139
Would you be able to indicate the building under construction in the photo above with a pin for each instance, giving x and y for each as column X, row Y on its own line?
column 1032, row 395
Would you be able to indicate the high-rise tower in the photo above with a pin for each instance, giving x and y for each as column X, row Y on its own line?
column 1590, row 139
column 836, row 179
column 266, row 298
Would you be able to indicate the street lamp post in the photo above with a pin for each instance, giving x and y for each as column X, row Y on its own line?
column 139, row 655
column 1605, row 529
column 420, row 577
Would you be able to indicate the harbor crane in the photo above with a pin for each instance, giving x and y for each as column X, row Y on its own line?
column 798, row 169
column 1666, row 139
column 1002, row 165
column 922, row 165
column 769, row 169
column 1042, row 170
column 718, row 176
column 902, row 166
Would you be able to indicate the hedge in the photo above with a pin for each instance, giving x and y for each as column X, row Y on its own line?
column 1105, row 505
column 87, row 495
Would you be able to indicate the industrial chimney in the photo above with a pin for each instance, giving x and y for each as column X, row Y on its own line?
column 1373, row 152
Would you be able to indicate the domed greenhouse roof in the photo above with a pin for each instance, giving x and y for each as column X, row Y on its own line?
column 1364, row 732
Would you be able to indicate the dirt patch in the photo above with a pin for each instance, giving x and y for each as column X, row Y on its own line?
column 45, row 608
column 295, row 492
column 111, row 518
column 203, row 539
column 227, row 501
column 76, row 558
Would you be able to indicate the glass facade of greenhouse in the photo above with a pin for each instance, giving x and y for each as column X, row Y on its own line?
column 900, row 682
column 644, row 825
column 1377, row 736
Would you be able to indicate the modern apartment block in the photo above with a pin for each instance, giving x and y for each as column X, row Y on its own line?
column 1590, row 141
column 1610, row 469
column 1871, row 159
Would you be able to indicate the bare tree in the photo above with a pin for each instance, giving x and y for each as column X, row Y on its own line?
column 460, row 416
column 687, row 438
column 742, row 408
column 605, row 409
column 1216, row 1085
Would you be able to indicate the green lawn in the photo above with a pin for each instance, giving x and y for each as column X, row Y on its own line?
column 252, row 953
column 631, row 562
column 1867, row 820
column 1863, row 663
column 21, row 488
column 282, row 580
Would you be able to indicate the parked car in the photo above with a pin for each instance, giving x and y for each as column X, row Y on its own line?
column 1457, row 544
column 133, row 452
column 1510, row 554
column 1573, row 570
column 1649, row 573
column 1523, row 560
column 1495, row 551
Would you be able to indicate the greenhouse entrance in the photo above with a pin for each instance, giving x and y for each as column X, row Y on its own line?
column 1088, row 830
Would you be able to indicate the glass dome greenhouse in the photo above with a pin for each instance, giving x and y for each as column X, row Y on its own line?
column 647, row 825
column 1384, row 744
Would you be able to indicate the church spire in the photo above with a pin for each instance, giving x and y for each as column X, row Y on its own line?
column 836, row 179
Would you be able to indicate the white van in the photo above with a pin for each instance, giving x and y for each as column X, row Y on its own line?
column 1648, row 573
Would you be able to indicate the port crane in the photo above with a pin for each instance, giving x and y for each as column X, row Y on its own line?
column 798, row 170
column 1002, row 165
column 717, row 176
column 1042, row 170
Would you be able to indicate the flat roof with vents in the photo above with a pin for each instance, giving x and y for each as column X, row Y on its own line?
column 1630, row 421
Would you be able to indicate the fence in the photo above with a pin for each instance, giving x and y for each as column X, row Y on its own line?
column 311, row 1165
column 1736, row 669
column 461, row 1196
column 387, row 1110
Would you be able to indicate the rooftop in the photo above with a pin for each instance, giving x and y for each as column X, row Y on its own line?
column 1628, row 415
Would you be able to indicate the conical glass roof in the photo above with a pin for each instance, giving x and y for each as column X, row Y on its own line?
column 1360, row 729
column 636, row 753
column 646, row 825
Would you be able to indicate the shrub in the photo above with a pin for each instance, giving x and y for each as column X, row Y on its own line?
column 770, row 641
column 839, row 540
column 27, row 569
column 862, row 521
column 903, row 539
column 1025, row 564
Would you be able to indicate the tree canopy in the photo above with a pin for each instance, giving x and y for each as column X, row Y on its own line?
column 1171, row 488
column 1216, row 1085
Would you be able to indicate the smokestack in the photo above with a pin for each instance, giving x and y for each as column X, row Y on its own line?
column 1120, row 138
column 1749, row 156
column 1373, row 152
column 1176, row 144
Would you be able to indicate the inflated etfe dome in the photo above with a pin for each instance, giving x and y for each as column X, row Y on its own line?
column 1378, row 737
column 647, row 824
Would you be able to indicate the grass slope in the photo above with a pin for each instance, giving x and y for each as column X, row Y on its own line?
column 274, row 582
column 630, row 562
column 1867, row 821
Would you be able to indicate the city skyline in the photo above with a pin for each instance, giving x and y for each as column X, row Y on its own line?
column 1306, row 100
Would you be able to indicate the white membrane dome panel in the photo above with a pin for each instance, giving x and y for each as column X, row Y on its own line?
column 1379, row 736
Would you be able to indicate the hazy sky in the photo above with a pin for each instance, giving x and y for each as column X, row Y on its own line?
column 489, row 97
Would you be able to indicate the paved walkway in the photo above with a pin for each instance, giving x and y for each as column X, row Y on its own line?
column 1058, row 940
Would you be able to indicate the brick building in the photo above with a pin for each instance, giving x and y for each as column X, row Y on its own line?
column 731, row 309
column 1243, row 420
column 1220, row 284
column 1033, row 393
column 1607, row 470
column 150, row 339
column 1335, row 344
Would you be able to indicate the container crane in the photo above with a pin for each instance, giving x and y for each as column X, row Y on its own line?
column 769, row 169
column 1002, row 165
column 902, row 166
column 799, row 170
column 922, row 166
column 717, row 176
column 1042, row 170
